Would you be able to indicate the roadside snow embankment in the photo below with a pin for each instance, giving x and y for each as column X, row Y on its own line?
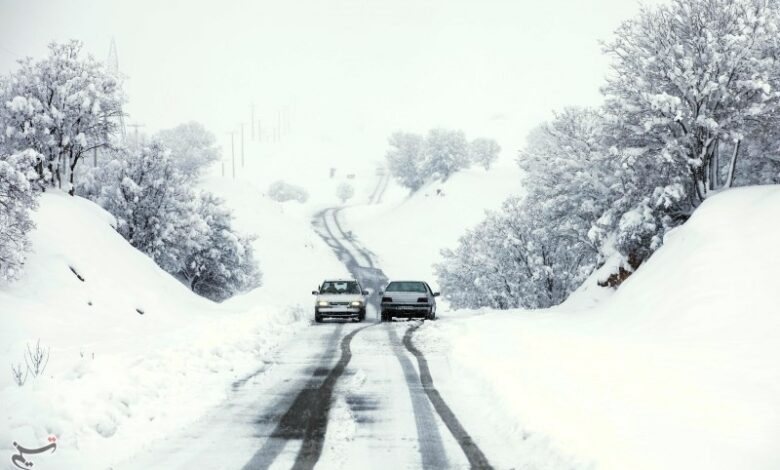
column 134, row 355
column 678, row 369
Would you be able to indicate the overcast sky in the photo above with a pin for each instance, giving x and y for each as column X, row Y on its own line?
column 348, row 68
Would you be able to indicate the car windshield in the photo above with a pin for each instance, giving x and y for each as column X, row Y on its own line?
column 340, row 287
column 406, row 287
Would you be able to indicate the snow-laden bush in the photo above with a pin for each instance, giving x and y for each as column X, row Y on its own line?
column 187, row 234
column 414, row 160
column 281, row 191
column 64, row 107
column 510, row 260
column 224, row 264
column 17, row 199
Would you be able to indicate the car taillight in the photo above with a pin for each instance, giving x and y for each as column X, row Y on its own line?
column 387, row 299
column 423, row 299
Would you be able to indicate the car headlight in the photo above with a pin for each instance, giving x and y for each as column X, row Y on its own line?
column 356, row 303
column 322, row 303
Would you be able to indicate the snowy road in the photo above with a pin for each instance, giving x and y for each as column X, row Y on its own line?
column 341, row 395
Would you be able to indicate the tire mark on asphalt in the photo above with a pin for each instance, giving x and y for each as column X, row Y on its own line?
column 431, row 447
column 473, row 453
column 307, row 418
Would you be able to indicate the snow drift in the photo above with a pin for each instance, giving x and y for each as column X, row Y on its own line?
column 678, row 369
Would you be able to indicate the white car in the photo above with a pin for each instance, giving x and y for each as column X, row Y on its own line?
column 340, row 298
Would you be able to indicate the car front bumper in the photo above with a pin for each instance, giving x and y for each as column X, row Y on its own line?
column 339, row 311
column 405, row 310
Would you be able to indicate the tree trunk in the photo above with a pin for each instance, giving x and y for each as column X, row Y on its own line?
column 715, row 168
column 732, row 166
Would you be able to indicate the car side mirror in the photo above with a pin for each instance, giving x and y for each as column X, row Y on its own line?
column 436, row 294
column 366, row 292
column 314, row 292
column 381, row 292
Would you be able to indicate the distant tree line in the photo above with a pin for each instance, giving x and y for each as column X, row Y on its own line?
column 414, row 159
column 54, row 114
column 691, row 108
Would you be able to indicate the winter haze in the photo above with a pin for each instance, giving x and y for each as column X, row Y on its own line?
column 350, row 70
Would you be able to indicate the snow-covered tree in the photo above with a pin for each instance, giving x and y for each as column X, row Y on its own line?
column 404, row 159
column 484, row 152
column 63, row 107
column 690, row 80
column 345, row 191
column 414, row 160
column 192, row 147
column 223, row 265
column 445, row 152
column 17, row 199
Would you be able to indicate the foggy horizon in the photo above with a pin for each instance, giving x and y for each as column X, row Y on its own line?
column 350, row 72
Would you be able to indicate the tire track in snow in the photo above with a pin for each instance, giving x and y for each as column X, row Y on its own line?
column 473, row 453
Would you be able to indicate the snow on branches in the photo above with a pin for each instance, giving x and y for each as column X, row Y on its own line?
column 63, row 107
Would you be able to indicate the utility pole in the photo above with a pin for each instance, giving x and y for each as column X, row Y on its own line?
column 233, row 154
column 252, row 122
column 259, row 130
column 279, row 123
column 242, row 145
column 135, row 127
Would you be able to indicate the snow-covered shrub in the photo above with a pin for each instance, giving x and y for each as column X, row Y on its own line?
column 510, row 260
column 17, row 198
column 192, row 147
column 224, row 264
column 484, row 152
column 345, row 191
column 280, row 191
column 63, row 107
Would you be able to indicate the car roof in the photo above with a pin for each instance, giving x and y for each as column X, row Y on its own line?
column 406, row 280
column 339, row 280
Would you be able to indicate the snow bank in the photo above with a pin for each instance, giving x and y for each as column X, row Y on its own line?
column 130, row 344
column 678, row 369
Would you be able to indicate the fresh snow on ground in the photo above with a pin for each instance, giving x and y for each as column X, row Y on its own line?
column 678, row 369
column 117, row 379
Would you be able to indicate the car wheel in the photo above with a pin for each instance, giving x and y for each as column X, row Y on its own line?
column 317, row 318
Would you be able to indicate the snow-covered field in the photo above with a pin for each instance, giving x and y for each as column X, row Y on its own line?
column 678, row 369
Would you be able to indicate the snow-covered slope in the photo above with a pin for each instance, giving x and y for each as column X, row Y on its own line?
column 678, row 369
column 407, row 232
column 117, row 378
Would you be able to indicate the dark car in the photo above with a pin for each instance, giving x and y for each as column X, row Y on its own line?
column 408, row 299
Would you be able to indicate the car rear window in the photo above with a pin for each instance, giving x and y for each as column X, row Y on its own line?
column 340, row 287
column 406, row 287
